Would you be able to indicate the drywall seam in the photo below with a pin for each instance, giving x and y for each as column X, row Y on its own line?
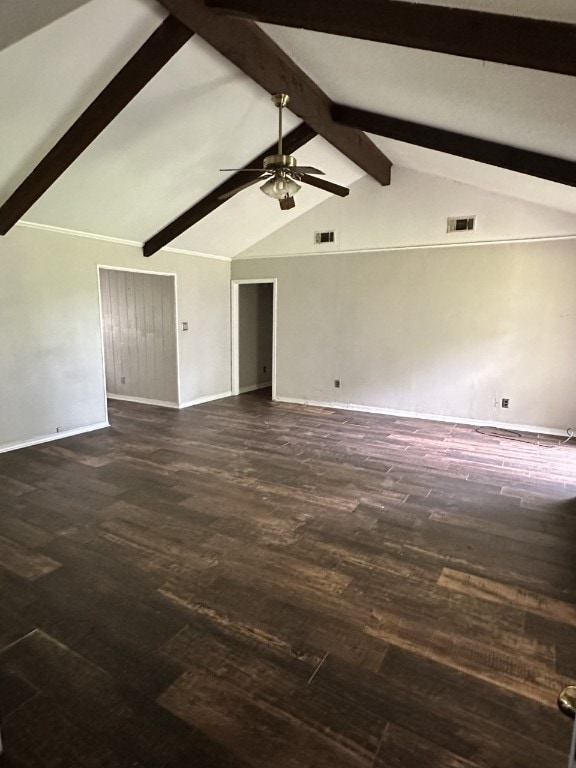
column 426, row 416
column 56, row 436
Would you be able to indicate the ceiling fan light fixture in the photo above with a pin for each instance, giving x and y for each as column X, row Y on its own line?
column 280, row 187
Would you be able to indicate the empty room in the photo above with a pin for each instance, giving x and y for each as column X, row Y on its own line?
column 288, row 363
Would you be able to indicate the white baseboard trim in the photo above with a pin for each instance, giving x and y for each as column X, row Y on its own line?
column 205, row 399
column 167, row 404
column 143, row 400
column 48, row 438
column 254, row 387
column 428, row 416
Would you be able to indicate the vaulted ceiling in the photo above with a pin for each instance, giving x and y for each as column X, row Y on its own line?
column 192, row 97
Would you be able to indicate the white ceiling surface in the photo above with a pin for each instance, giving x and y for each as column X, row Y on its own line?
column 19, row 18
column 552, row 10
column 485, row 177
column 510, row 105
column 163, row 152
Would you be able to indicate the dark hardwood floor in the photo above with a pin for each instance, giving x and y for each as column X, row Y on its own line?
column 248, row 584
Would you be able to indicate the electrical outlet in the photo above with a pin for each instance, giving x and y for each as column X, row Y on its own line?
column 184, row 326
column 505, row 402
column 337, row 383
column 264, row 367
column 496, row 403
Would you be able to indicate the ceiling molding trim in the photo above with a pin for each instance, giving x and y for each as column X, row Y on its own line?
column 391, row 248
column 184, row 252
column 114, row 240
column 260, row 58
column 524, row 161
column 519, row 41
column 158, row 49
column 77, row 233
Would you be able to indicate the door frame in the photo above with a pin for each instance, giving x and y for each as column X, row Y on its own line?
column 235, row 323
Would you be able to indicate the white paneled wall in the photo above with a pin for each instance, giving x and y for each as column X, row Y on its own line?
column 139, row 330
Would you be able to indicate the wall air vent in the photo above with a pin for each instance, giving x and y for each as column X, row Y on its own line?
column 324, row 237
column 461, row 223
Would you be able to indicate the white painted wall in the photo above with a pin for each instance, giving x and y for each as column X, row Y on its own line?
column 438, row 331
column 50, row 336
column 412, row 211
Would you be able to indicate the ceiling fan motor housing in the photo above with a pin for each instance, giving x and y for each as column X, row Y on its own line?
column 279, row 162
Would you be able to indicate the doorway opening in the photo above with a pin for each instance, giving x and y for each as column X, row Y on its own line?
column 254, row 336
column 139, row 336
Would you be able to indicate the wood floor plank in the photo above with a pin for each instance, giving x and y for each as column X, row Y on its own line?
column 446, row 689
column 40, row 733
column 402, row 749
column 254, row 704
column 23, row 561
column 84, row 717
column 527, row 675
column 487, row 589
column 451, row 727
column 15, row 693
column 26, row 534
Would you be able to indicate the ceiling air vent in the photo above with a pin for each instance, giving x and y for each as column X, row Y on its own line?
column 324, row 237
column 461, row 223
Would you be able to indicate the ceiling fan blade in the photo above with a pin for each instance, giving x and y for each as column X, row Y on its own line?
column 235, row 191
column 251, row 170
column 306, row 169
column 327, row 186
column 286, row 203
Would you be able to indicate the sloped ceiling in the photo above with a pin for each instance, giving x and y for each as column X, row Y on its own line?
column 19, row 18
column 413, row 214
column 552, row 10
column 199, row 114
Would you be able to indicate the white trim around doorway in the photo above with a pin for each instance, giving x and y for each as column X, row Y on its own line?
column 235, row 335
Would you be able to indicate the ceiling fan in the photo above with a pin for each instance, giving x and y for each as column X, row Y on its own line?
column 282, row 172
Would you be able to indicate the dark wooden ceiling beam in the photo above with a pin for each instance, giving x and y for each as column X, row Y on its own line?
column 254, row 53
column 483, row 151
column 522, row 42
column 164, row 42
column 291, row 143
